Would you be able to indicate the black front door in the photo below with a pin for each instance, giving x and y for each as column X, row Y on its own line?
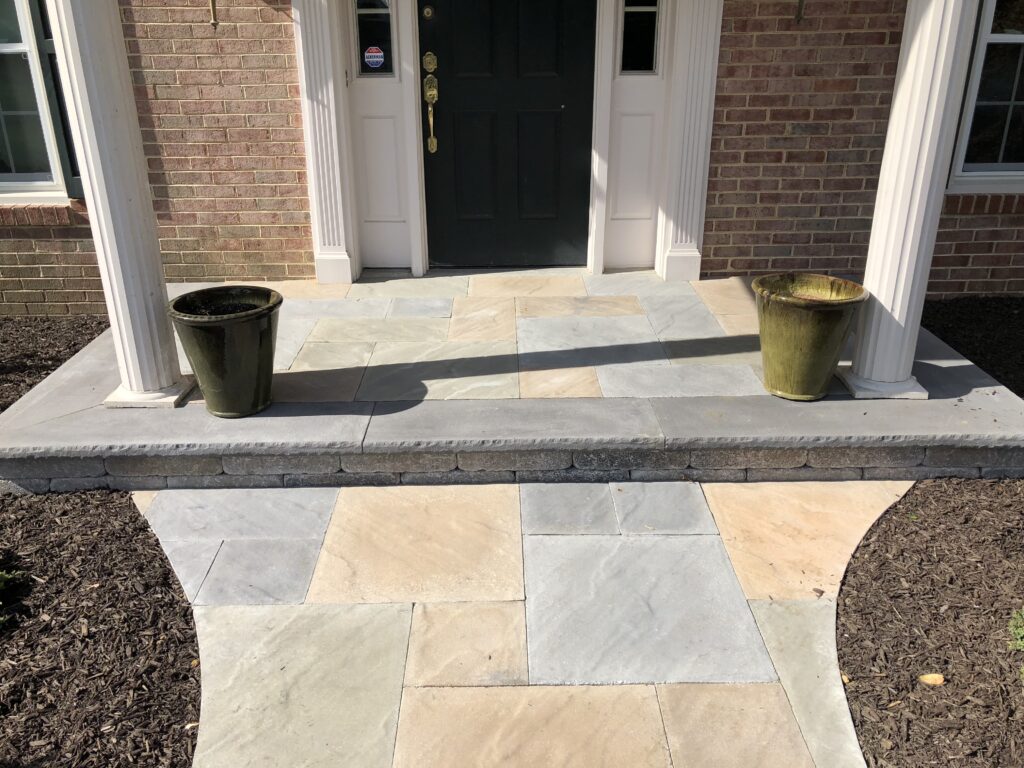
column 508, row 184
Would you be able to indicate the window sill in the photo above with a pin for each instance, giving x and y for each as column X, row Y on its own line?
column 34, row 198
column 986, row 184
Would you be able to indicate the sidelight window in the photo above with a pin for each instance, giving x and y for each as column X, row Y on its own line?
column 639, row 52
column 373, row 27
column 990, row 148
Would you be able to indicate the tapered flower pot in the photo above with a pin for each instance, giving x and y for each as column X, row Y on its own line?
column 228, row 334
column 804, row 321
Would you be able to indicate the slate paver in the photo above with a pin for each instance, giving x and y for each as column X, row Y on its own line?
column 732, row 726
column 467, row 644
column 567, row 508
column 311, row 686
column 198, row 514
column 638, row 609
column 666, row 508
column 569, row 342
column 526, row 727
column 793, row 540
column 260, row 572
column 801, row 638
column 420, row 543
column 696, row 380
column 191, row 561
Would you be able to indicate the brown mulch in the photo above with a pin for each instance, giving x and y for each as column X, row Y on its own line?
column 31, row 348
column 984, row 329
column 931, row 589
column 98, row 660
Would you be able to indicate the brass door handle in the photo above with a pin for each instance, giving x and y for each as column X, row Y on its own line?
column 430, row 96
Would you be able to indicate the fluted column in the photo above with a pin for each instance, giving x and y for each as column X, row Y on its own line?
column 930, row 80
column 318, row 37
column 691, row 96
column 93, row 66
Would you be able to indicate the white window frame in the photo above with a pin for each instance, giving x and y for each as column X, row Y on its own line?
column 659, row 53
column 357, row 71
column 13, row 192
column 989, row 181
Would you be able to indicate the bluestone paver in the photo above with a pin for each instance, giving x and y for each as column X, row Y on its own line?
column 678, row 380
column 311, row 686
column 635, row 283
column 260, row 572
column 427, row 307
column 638, row 609
column 560, row 508
column 677, row 508
column 680, row 317
column 271, row 513
column 191, row 561
column 574, row 341
column 801, row 638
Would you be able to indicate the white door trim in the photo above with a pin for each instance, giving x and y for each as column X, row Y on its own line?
column 604, row 70
column 408, row 36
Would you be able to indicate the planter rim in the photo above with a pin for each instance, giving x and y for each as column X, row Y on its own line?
column 760, row 286
column 274, row 300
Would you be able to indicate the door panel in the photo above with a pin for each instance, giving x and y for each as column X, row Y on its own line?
column 509, row 184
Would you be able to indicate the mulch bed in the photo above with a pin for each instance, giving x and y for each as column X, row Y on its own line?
column 98, row 658
column 31, row 348
column 931, row 589
column 985, row 329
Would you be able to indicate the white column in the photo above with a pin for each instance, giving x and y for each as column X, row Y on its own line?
column 930, row 81
column 94, row 71
column 691, row 94
column 318, row 33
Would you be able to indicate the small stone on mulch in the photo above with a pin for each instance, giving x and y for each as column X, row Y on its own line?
column 31, row 348
column 931, row 591
column 99, row 665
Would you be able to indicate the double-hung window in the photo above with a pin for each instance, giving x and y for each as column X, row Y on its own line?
column 35, row 157
column 990, row 148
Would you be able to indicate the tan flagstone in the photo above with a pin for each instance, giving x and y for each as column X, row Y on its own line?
column 421, row 544
column 482, row 318
column 526, row 285
column 467, row 644
column 560, row 382
column 731, row 296
column 143, row 499
column 732, row 726
column 337, row 329
column 585, row 306
column 403, row 285
column 787, row 540
column 441, row 370
column 307, row 289
column 739, row 325
column 615, row 726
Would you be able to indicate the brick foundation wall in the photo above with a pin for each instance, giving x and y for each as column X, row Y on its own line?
column 980, row 246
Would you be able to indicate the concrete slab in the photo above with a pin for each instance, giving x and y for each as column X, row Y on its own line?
column 638, row 609
column 732, row 726
column 667, row 508
column 801, row 638
column 570, row 342
column 528, row 727
column 191, row 561
column 311, row 686
column 215, row 514
column 512, row 424
column 467, row 644
column 567, row 508
column 697, row 380
column 441, row 370
column 260, row 572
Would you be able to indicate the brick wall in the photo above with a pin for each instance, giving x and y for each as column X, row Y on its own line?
column 799, row 128
column 222, row 131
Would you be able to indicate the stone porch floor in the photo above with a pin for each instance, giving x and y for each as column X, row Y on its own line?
column 533, row 375
column 590, row 625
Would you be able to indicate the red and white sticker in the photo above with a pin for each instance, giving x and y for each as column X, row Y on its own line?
column 374, row 57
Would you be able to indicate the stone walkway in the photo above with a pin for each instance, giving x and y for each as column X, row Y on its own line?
column 623, row 624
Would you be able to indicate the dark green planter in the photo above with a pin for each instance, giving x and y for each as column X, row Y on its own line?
column 229, row 333
column 804, row 320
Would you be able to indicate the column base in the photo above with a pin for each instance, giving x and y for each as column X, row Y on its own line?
column 171, row 397
column 335, row 266
column 679, row 264
column 868, row 389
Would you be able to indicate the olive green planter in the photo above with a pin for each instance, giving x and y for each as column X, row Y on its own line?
column 228, row 334
column 804, row 319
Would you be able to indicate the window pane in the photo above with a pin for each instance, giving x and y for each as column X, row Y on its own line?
column 9, row 30
column 641, row 3
column 1009, row 17
column 366, row 5
column 1014, row 151
column 999, row 72
column 639, row 41
column 44, row 19
column 986, row 134
column 16, row 94
column 375, row 43
column 28, row 148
